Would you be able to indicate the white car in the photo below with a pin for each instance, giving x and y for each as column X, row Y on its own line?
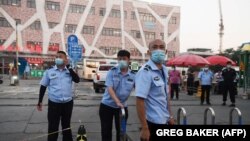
column 100, row 76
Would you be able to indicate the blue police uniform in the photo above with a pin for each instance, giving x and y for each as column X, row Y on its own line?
column 151, row 84
column 206, row 77
column 59, row 83
column 122, row 85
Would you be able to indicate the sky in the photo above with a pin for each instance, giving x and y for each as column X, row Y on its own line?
column 199, row 25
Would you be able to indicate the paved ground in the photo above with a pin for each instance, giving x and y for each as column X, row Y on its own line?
column 20, row 121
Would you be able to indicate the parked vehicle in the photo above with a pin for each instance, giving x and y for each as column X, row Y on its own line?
column 100, row 76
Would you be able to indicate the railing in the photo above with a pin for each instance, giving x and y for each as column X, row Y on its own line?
column 212, row 116
column 231, row 116
column 184, row 113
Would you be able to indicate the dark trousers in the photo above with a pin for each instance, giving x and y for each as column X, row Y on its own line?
column 205, row 90
column 59, row 112
column 190, row 88
column 231, row 89
column 152, row 129
column 175, row 88
column 106, row 114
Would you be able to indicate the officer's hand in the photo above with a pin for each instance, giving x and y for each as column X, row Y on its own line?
column 39, row 107
column 68, row 66
column 171, row 121
column 119, row 104
column 145, row 134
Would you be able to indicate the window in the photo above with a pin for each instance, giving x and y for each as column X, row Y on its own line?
column 52, row 24
column 102, row 11
column 135, row 52
column 4, row 22
column 146, row 17
column 149, row 35
column 92, row 11
column 173, row 20
column 31, row 3
column 52, row 5
column 115, row 13
column 105, row 68
column 133, row 16
column 11, row 2
column 163, row 16
column 73, row 8
column 70, row 28
column 111, row 32
column 135, row 33
column 88, row 30
column 36, row 25
column 110, row 50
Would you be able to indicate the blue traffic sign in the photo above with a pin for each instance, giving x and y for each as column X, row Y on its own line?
column 74, row 50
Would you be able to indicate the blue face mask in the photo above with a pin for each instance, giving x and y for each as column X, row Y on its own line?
column 158, row 56
column 59, row 61
column 122, row 64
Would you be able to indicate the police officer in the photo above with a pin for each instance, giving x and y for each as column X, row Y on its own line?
column 206, row 77
column 119, row 84
column 152, row 97
column 229, row 75
column 60, row 104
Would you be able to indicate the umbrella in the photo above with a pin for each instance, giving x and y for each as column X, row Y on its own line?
column 188, row 60
column 219, row 60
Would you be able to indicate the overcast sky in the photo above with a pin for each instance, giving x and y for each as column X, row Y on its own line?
column 200, row 22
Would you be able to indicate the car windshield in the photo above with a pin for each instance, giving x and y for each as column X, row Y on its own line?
column 105, row 68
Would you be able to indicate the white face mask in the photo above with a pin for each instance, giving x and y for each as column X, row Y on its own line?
column 229, row 66
column 205, row 69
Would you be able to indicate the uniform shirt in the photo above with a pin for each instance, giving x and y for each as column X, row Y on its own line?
column 228, row 75
column 59, row 83
column 121, row 84
column 151, row 85
column 206, row 77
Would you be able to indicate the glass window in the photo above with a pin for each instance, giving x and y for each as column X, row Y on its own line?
column 11, row 2
column 52, row 24
column 135, row 33
column 52, row 5
column 36, row 25
column 31, row 3
column 88, row 30
column 92, row 11
column 70, row 28
column 73, row 8
column 133, row 16
column 4, row 22
column 102, row 11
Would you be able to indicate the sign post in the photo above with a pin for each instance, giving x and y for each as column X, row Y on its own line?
column 74, row 50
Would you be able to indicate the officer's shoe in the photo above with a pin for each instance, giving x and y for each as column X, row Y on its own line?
column 232, row 105
column 208, row 103
column 223, row 104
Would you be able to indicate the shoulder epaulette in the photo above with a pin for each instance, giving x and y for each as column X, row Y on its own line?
column 113, row 68
column 147, row 68
column 133, row 71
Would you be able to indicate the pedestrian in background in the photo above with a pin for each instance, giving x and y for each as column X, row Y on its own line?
column 119, row 83
column 152, row 97
column 229, row 75
column 190, row 83
column 174, row 79
column 206, row 77
column 60, row 104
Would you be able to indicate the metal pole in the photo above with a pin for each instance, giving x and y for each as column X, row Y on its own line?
column 17, row 51
column 205, row 115
column 231, row 116
column 184, row 116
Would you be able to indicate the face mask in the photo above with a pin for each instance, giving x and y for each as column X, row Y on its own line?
column 228, row 66
column 59, row 61
column 158, row 56
column 205, row 69
column 123, row 64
